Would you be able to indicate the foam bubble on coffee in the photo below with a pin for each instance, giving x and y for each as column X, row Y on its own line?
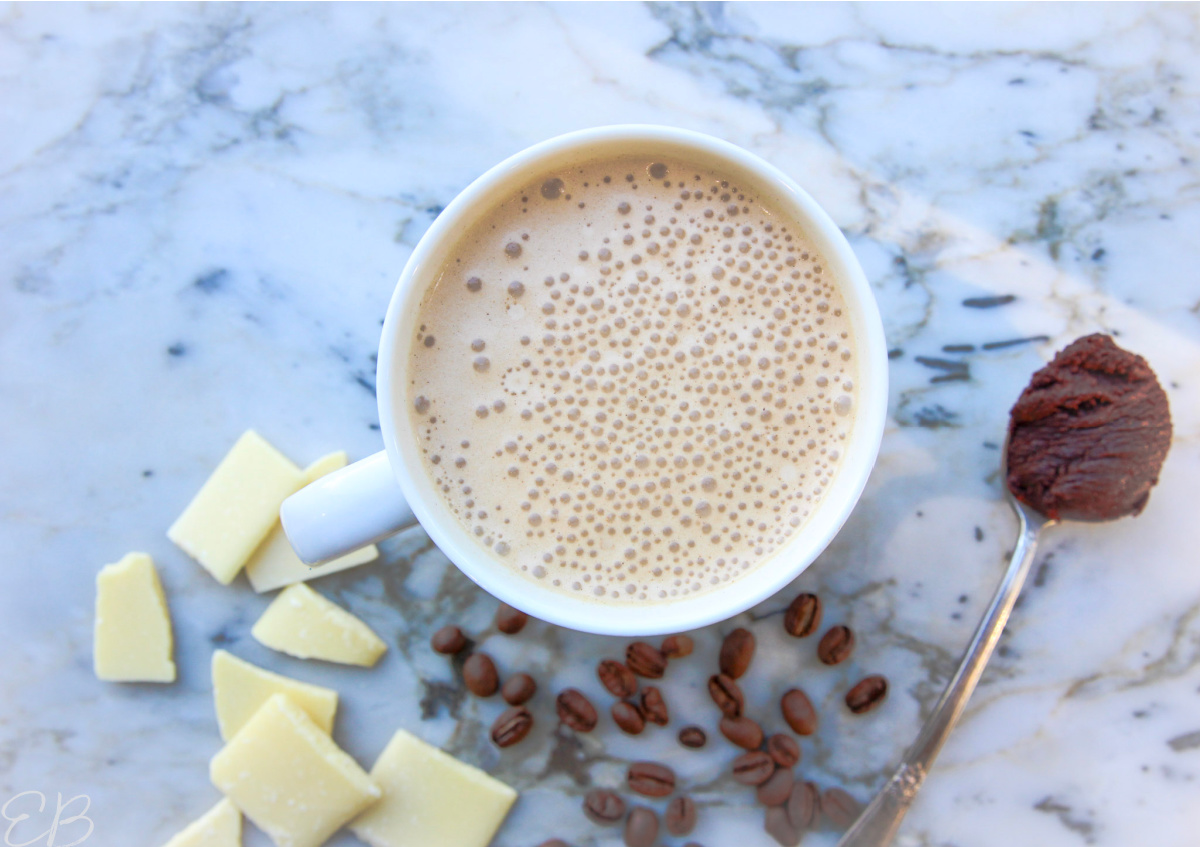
column 633, row 380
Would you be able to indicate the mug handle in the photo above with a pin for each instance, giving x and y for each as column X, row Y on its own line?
column 345, row 510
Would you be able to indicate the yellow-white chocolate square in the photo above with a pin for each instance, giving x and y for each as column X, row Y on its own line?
column 236, row 508
column 289, row 778
column 274, row 564
column 240, row 689
column 133, row 640
column 302, row 623
column 220, row 826
column 431, row 799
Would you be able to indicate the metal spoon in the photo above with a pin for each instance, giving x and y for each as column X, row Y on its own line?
column 877, row 824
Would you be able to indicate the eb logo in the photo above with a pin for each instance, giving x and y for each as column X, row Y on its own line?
column 26, row 813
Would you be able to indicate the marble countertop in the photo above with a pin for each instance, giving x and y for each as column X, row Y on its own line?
column 203, row 209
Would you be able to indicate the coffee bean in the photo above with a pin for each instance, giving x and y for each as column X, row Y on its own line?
column 554, row 842
column 867, row 694
column 617, row 679
column 753, row 768
column 645, row 660
column 803, row 616
column 736, row 652
column 804, row 806
column 677, row 646
column 836, row 645
column 743, row 732
column 604, row 807
column 510, row 621
column 448, row 640
column 799, row 713
column 693, row 736
column 727, row 694
column 576, row 710
column 518, row 689
column 479, row 674
column 641, row 830
column 680, row 816
column 841, row 809
column 651, row 779
column 776, row 790
column 628, row 718
column 654, row 707
column 783, row 750
column 780, row 828
column 512, row 726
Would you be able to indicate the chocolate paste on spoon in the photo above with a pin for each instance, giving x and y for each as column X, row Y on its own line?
column 1087, row 437
column 1086, row 441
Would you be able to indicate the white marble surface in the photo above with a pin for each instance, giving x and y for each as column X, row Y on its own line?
column 202, row 210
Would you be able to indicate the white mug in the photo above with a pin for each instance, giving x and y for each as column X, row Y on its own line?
column 391, row 490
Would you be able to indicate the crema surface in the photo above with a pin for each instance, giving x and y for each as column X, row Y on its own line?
column 633, row 380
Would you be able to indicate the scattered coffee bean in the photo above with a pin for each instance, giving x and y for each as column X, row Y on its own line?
column 841, row 809
column 743, row 732
column 628, row 718
column 651, row 779
column 783, row 750
column 693, row 737
column 512, row 726
column 448, row 640
column 753, row 768
column 677, row 646
column 654, row 707
column 576, row 710
column 867, row 694
column 554, row 842
column 479, row 674
column 836, row 645
column 776, row 790
column 510, row 621
column 518, row 689
column 641, row 829
column 617, row 679
column 780, row 828
column 804, row 806
column 727, row 694
column 803, row 616
column 680, row 816
column 736, row 652
column 604, row 807
column 645, row 660
column 799, row 713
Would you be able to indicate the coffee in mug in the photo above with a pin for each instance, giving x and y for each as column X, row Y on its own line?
column 628, row 367
column 633, row 377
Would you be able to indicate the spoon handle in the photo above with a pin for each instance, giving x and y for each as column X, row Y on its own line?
column 878, row 823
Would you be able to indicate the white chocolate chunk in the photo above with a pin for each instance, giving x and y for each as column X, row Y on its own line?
column 240, row 689
column 289, row 778
column 237, row 507
column 133, row 640
column 274, row 564
column 220, row 826
column 431, row 799
column 302, row 623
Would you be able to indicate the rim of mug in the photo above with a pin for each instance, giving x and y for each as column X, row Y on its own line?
column 583, row 613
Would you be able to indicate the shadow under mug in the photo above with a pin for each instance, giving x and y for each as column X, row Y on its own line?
column 384, row 493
